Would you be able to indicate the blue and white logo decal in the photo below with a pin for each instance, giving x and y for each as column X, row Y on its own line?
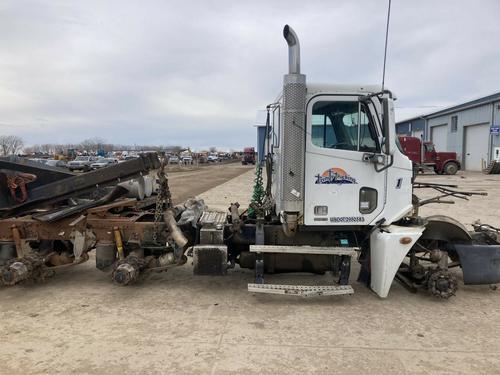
column 335, row 176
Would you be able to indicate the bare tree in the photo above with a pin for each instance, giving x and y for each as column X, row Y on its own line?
column 93, row 144
column 10, row 144
column 47, row 148
column 29, row 150
column 174, row 149
column 213, row 149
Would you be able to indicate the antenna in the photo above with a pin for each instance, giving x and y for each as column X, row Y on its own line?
column 386, row 37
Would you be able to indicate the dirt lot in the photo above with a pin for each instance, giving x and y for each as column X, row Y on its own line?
column 80, row 322
column 185, row 184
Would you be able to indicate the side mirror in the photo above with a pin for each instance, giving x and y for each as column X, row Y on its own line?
column 389, row 128
column 389, row 137
column 377, row 159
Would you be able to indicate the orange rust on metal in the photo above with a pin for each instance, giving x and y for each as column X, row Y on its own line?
column 136, row 225
column 77, row 221
column 405, row 240
column 119, row 243
column 17, row 185
column 16, row 235
column 59, row 259
column 118, row 204
column 35, row 230
column 83, row 258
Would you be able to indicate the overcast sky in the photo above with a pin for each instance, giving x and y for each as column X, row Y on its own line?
column 195, row 72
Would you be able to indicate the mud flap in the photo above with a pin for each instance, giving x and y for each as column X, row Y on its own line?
column 480, row 263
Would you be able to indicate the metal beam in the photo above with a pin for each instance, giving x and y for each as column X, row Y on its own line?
column 79, row 184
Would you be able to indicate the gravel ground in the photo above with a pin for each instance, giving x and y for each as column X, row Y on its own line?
column 79, row 322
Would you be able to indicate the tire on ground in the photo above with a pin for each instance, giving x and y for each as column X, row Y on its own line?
column 450, row 168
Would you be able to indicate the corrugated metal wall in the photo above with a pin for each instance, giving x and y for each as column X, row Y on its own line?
column 403, row 128
column 467, row 117
column 496, row 121
column 409, row 127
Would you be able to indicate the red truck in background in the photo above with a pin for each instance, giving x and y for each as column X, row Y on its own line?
column 424, row 155
column 248, row 156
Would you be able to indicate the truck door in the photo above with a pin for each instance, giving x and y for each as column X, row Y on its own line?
column 341, row 188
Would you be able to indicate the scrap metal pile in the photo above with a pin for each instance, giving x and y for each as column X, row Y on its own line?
column 50, row 219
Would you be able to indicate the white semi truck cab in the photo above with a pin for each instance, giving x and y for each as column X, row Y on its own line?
column 338, row 187
column 334, row 152
column 335, row 160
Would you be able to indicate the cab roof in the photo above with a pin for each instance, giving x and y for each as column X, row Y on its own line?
column 315, row 89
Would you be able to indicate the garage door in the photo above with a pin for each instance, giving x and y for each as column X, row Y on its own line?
column 438, row 137
column 417, row 133
column 477, row 139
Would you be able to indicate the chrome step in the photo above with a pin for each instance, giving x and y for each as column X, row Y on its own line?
column 328, row 250
column 301, row 290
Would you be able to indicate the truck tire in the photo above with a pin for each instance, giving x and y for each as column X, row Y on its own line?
column 450, row 168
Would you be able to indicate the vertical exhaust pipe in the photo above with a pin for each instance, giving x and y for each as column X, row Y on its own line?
column 291, row 197
column 293, row 50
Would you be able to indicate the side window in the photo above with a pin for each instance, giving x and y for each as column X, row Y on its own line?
column 367, row 134
column 454, row 124
column 342, row 125
column 429, row 147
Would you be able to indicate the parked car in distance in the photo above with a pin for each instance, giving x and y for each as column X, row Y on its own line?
column 212, row 158
column 56, row 163
column 103, row 162
column 187, row 159
column 81, row 163
column 173, row 160
column 38, row 160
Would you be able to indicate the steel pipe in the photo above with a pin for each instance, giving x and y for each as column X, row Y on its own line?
column 176, row 234
column 293, row 50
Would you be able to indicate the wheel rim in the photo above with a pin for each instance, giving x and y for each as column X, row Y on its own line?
column 451, row 169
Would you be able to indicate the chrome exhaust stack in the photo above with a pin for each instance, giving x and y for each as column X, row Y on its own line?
column 293, row 50
column 291, row 200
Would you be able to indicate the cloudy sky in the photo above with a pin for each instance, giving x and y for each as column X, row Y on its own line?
column 195, row 72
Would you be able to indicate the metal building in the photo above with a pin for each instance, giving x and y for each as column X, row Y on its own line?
column 471, row 129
